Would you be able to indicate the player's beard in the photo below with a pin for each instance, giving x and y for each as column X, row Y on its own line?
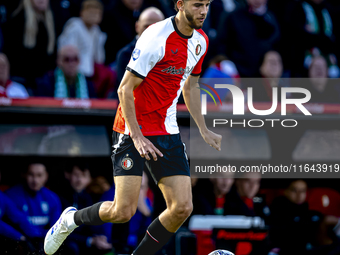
column 190, row 18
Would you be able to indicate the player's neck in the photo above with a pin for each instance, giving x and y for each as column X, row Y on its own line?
column 182, row 25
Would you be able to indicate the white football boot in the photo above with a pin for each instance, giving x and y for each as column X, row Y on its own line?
column 60, row 230
column 221, row 252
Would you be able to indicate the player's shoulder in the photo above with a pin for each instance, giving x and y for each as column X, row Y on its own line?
column 158, row 31
column 199, row 33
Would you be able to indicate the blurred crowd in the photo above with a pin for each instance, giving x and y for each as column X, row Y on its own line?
column 80, row 48
column 296, row 223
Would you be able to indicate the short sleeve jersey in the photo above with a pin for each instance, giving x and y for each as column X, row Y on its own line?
column 164, row 58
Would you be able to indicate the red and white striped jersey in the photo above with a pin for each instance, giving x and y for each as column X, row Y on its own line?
column 164, row 58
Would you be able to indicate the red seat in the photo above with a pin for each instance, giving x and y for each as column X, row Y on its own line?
column 205, row 244
column 324, row 200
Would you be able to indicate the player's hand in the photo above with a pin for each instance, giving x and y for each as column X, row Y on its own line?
column 144, row 147
column 213, row 139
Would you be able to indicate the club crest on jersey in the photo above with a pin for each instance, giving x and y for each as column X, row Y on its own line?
column 198, row 49
column 127, row 163
column 135, row 54
column 173, row 70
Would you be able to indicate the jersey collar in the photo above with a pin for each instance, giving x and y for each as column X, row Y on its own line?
column 177, row 30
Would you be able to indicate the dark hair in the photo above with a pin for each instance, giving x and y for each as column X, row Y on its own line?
column 263, row 57
column 33, row 161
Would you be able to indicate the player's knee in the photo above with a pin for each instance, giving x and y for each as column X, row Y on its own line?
column 183, row 210
column 123, row 218
column 122, row 215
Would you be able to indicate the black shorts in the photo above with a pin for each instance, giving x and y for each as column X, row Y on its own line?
column 126, row 159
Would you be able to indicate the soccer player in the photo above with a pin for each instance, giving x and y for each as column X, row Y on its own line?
column 167, row 60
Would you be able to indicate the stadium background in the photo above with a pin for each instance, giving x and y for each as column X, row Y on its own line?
column 61, row 133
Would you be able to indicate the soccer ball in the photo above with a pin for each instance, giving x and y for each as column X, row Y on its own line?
column 221, row 252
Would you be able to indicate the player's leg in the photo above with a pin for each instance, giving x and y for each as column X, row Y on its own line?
column 178, row 197
column 128, row 170
column 177, row 193
column 120, row 210
column 125, row 202
column 123, row 207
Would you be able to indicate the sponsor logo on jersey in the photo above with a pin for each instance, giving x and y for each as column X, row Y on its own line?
column 173, row 70
column 135, row 54
column 127, row 163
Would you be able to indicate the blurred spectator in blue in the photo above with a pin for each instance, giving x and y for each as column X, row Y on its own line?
column 9, row 88
column 85, row 34
column 83, row 239
column 245, row 198
column 11, row 217
column 29, row 38
column 323, row 89
column 66, row 81
column 41, row 206
column 147, row 17
column 214, row 199
column 312, row 27
column 246, row 34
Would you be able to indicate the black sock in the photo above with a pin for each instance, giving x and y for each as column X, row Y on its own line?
column 155, row 238
column 89, row 215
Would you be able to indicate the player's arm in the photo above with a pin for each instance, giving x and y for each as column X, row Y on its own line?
column 192, row 98
column 125, row 93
